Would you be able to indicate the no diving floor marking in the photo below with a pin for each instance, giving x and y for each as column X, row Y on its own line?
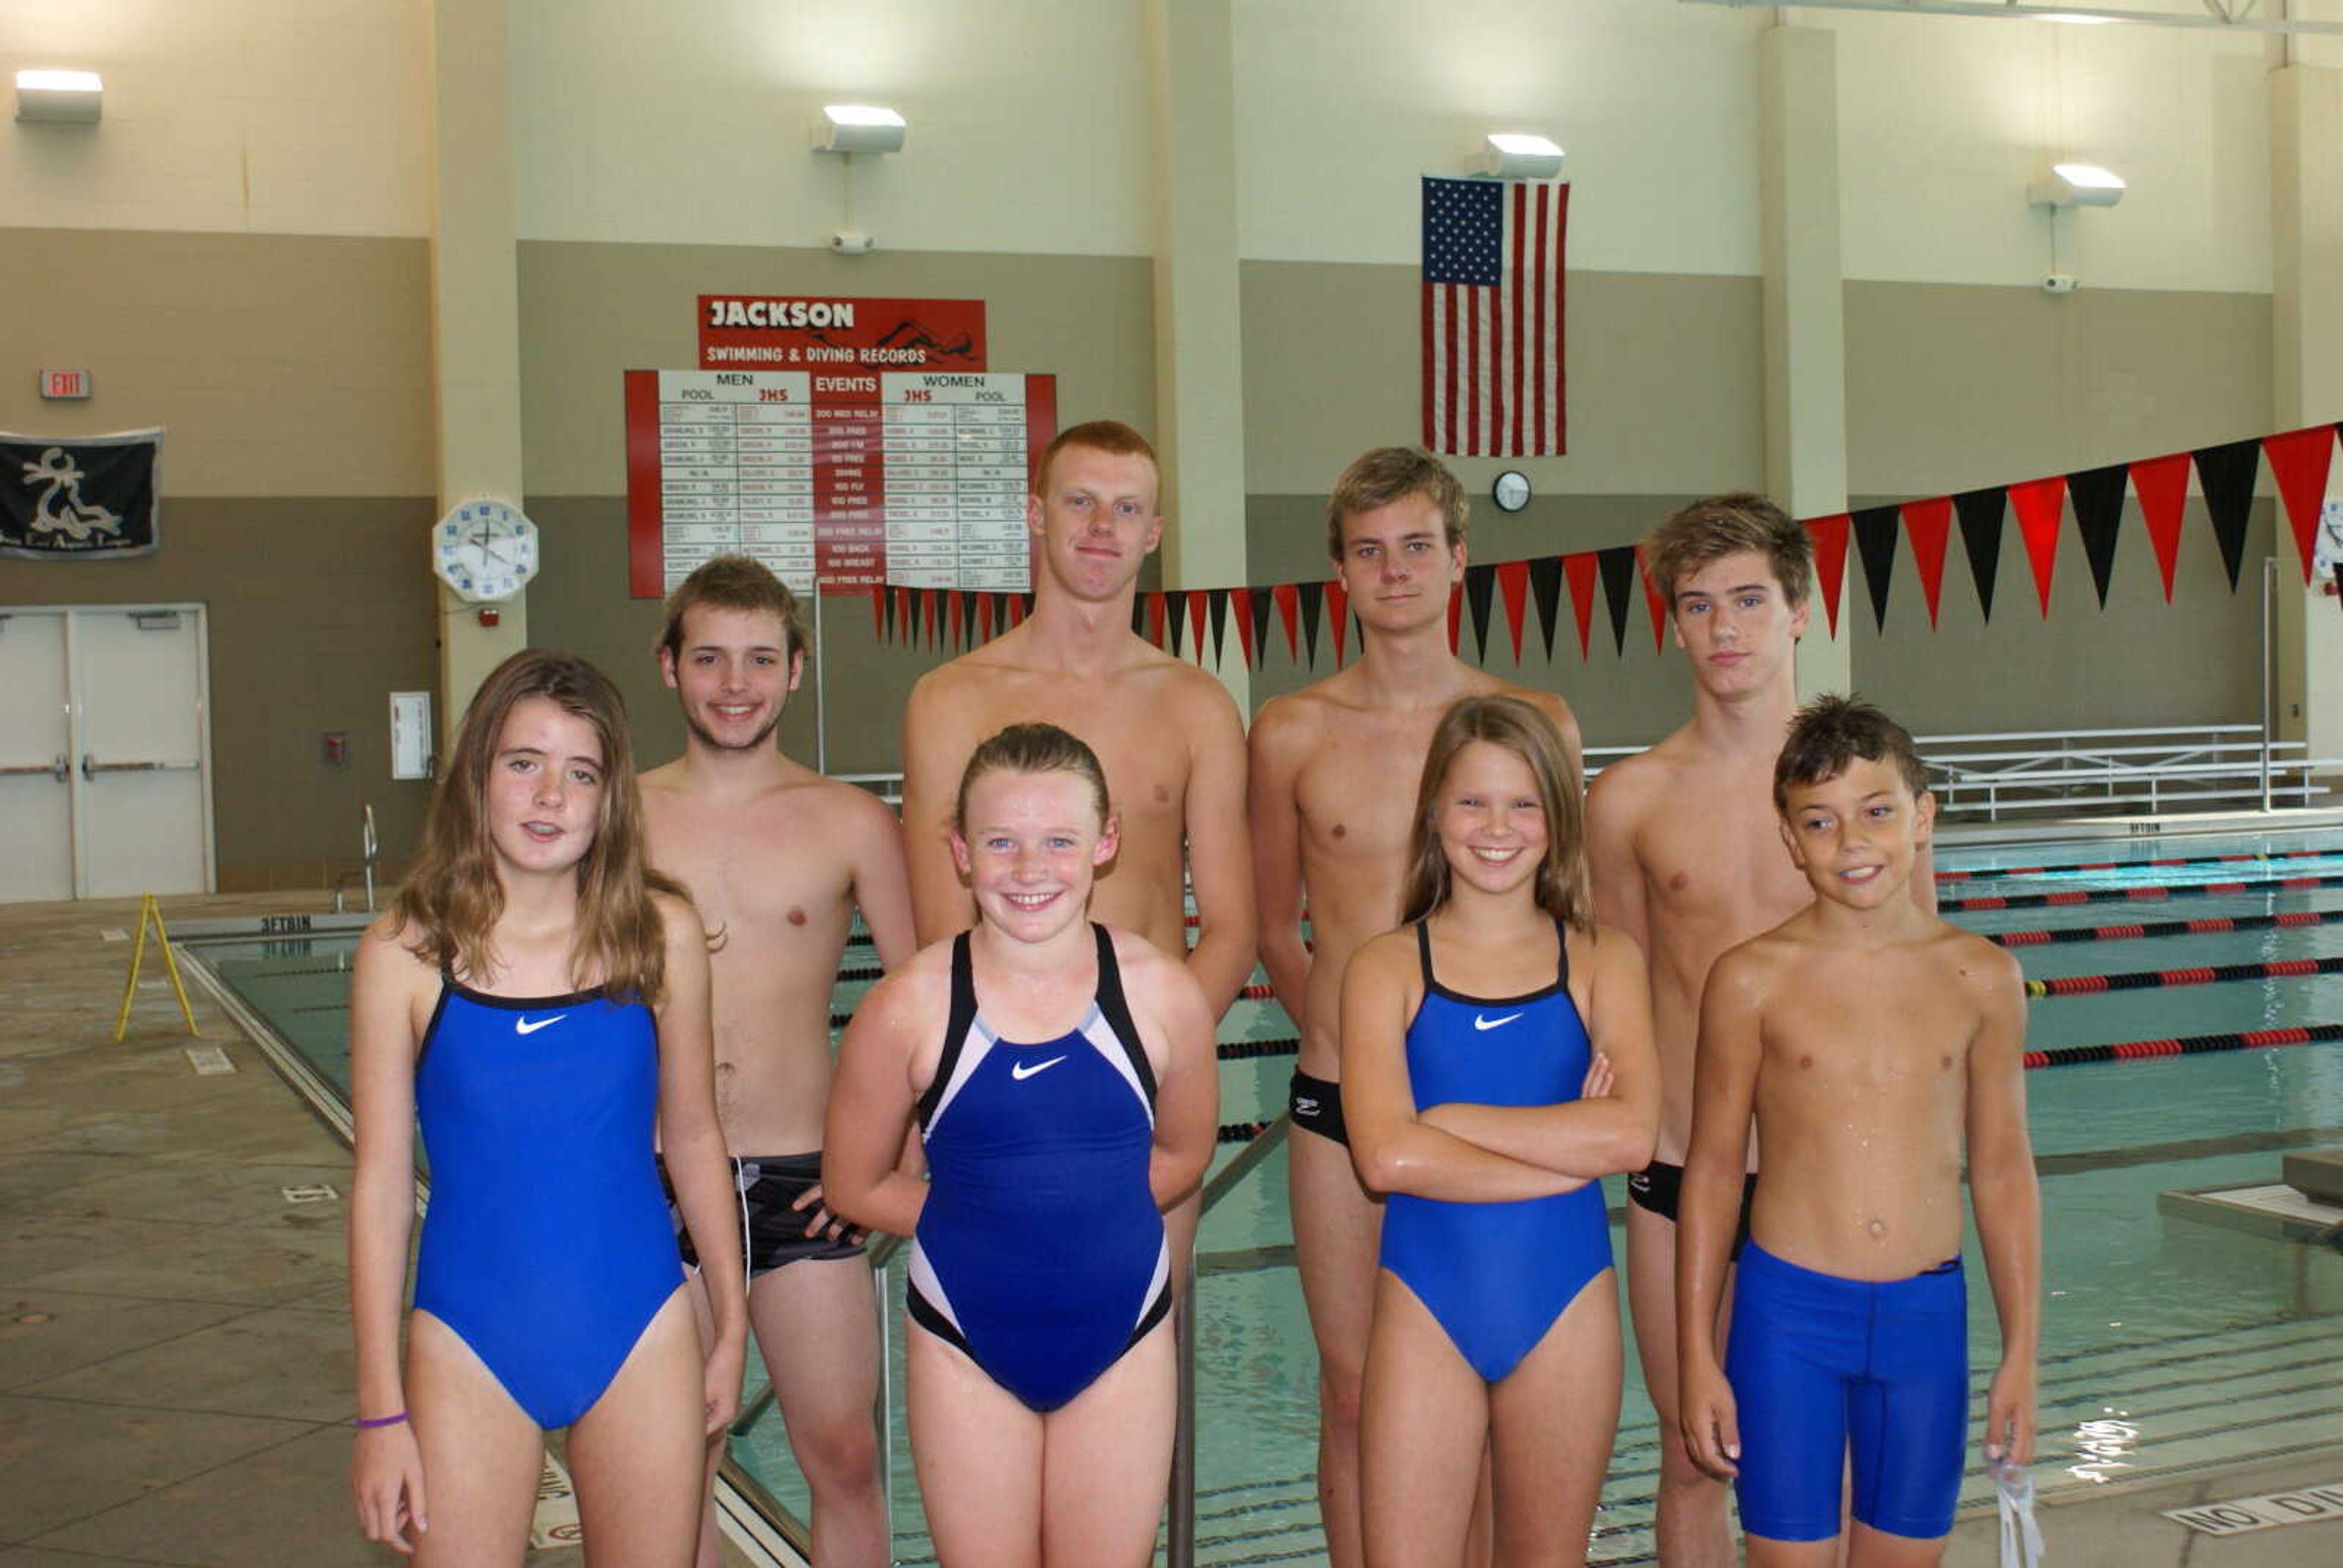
column 2304, row 1505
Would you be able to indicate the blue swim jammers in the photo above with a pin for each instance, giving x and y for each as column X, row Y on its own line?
column 1817, row 1362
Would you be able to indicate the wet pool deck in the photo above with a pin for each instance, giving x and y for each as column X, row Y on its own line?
column 174, row 1358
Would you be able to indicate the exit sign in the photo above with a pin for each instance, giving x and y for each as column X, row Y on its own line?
column 65, row 382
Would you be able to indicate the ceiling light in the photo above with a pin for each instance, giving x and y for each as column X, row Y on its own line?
column 71, row 96
column 859, row 128
column 1512, row 155
column 2076, row 18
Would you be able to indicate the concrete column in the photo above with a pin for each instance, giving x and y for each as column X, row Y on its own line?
column 475, row 316
column 1199, row 352
column 2306, row 304
column 1806, row 311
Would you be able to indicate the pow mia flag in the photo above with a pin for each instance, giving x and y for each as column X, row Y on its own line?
column 82, row 497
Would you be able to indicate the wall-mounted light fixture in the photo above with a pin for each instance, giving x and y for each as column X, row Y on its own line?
column 2070, row 185
column 70, row 97
column 859, row 128
column 2077, row 185
column 1513, row 156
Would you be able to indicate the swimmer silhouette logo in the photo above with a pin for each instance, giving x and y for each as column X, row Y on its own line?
column 80, row 498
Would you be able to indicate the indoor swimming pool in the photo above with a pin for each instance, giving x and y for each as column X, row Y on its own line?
column 2169, row 1342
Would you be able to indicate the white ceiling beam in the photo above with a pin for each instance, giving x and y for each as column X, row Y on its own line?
column 2216, row 18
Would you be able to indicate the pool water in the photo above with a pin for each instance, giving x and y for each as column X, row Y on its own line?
column 2168, row 1343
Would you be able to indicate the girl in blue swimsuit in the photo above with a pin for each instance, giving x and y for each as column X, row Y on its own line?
column 537, row 1000
column 1496, row 1062
column 1062, row 1077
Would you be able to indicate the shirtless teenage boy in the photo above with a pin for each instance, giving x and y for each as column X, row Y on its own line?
column 1323, row 826
column 777, row 860
column 1168, row 735
column 1871, row 1040
column 1687, row 860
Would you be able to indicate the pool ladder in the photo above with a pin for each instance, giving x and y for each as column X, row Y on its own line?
column 369, row 851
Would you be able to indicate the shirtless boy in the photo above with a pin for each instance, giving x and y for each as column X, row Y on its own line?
column 1869, row 1038
column 777, row 860
column 1168, row 735
column 1395, row 531
column 1686, row 859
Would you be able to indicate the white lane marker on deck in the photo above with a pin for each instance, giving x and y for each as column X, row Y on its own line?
column 209, row 1061
column 113, row 934
column 555, row 1524
column 2304, row 1505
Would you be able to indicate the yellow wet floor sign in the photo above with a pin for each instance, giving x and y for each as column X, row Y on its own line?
column 151, row 912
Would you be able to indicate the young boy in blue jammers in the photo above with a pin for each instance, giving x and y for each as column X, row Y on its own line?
column 1869, row 1040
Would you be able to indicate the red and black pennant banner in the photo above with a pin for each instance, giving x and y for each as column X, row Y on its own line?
column 1183, row 620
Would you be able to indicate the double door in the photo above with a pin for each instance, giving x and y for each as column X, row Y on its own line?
column 104, row 753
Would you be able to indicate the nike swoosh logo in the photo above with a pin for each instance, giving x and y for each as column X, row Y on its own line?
column 1021, row 1071
column 1481, row 1020
column 523, row 1026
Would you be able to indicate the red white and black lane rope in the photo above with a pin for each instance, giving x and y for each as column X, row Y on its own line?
column 2062, row 1055
column 2195, row 1045
column 2137, row 895
column 1989, row 873
column 2215, row 925
column 2203, row 974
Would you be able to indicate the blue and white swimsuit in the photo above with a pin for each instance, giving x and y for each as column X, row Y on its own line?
column 1039, row 1251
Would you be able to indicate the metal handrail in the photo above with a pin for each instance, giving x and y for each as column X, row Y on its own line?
column 369, row 851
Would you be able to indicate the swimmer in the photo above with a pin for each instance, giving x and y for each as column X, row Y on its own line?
column 539, row 1001
column 778, row 859
column 1683, row 844
column 1395, row 533
column 1870, row 1041
column 1496, row 1063
column 1061, row 1075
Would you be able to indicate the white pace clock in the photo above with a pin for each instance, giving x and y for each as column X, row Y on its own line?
column 1512, row 490
column 484, row 550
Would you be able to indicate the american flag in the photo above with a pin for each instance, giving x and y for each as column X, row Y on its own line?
column 1493, row 317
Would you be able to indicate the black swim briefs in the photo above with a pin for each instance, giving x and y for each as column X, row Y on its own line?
column 1315, row 1105
column 767, row 1185
column 1657, row 1186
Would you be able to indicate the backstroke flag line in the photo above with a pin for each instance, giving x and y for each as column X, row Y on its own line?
column 1493, row 317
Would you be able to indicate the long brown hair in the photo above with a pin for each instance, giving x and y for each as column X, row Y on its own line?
column 1562, row 888
column 448, row 907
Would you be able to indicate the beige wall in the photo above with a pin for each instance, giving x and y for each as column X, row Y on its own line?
column 1951, row 387
column 283, row 365
column 1665, row 380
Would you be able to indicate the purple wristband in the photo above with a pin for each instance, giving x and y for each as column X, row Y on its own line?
column 363, row 1424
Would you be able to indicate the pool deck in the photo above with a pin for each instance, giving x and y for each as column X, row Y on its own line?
column 175, row 1354
column 175, row 1357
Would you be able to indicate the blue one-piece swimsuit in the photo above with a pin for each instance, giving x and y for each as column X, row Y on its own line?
column 1497, row 1276
column 547, row 1247
column 1039, row 1251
